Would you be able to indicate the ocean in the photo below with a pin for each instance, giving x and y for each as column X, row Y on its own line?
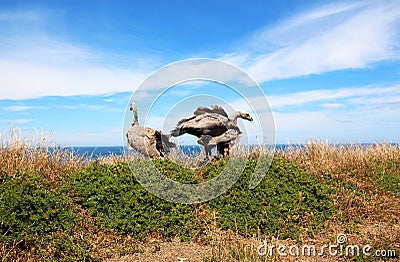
column 190, row 150
column 98, row 151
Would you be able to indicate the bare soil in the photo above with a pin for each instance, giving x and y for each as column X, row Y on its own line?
column 169, row 252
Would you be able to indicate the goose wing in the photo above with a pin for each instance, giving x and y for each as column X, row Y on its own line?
column 213, row 110
column 203, row 124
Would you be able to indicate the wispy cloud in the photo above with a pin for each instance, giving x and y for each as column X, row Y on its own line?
column 313, row 96
column 10, row 122
column 21, row 108
column 335, row 36
column 331, row 37
column 363, row 125
column 353, row 114
column 332, row 105
column 36, row 64
column 371, row 95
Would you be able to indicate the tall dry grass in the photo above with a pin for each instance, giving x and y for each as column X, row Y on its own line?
column 37, row 156
column 359, row 160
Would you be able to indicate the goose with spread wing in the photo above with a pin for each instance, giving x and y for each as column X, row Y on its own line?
column 207, row 123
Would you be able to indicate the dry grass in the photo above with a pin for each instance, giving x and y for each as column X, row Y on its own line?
column 18, row 156
column 341, row 160
column 361, row 165
column 192, row 161
column 367, row 211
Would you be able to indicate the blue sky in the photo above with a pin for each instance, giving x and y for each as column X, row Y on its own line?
column 330, row 69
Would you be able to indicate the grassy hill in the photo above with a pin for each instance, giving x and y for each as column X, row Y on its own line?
column 62, row 207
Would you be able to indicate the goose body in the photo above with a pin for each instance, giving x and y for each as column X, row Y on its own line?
column 147, row 141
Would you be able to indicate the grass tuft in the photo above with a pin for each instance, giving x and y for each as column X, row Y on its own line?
column 39, row 157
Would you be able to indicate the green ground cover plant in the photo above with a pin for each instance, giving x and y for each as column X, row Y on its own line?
column 287, row 201
column 112, row 195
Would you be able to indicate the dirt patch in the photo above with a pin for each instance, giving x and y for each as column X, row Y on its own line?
column 169, row 252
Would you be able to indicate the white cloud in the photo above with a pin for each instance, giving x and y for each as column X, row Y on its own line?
column 21, row 108
column 332, row 105
column 371, row 95
column 374, row 116
column 333, row 37
column 300, row 98
column 364, row 125
column 62, row 69
column 22, row 80
column 35, row 64
column 377, row 100
column 20, row 121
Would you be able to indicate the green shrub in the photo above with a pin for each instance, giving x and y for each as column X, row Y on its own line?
column 389, row 182
column 175, row 172
column 36, row 220
column 121, row 204
column 286, row 201
column 29, row 209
